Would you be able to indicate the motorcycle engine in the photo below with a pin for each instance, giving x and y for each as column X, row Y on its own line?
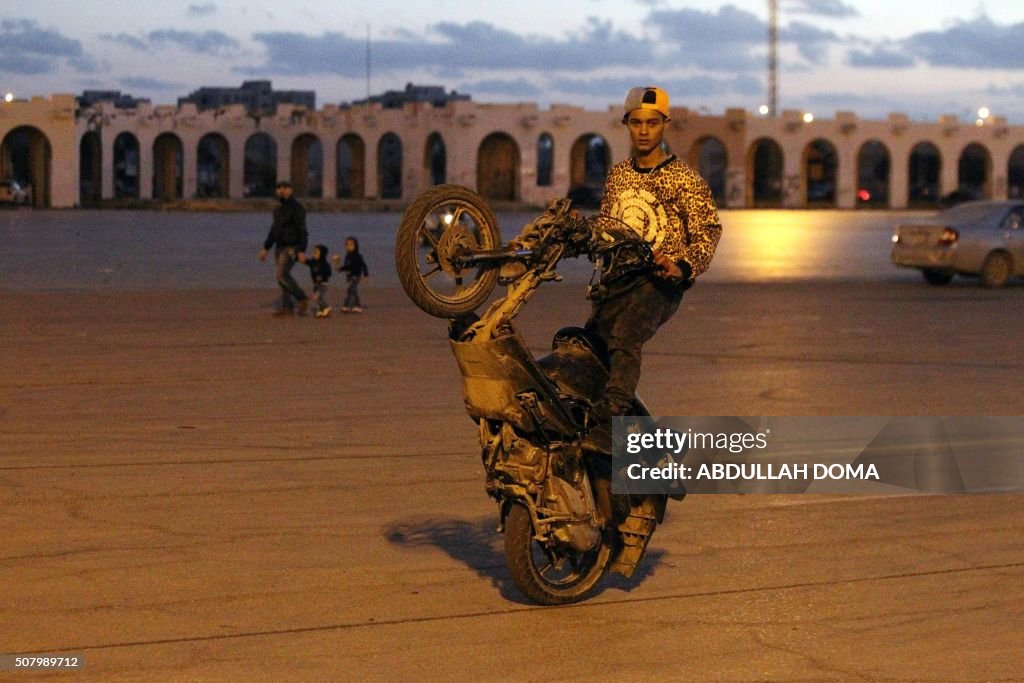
column 563, row 497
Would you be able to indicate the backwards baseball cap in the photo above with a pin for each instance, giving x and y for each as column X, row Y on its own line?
column 646, row 97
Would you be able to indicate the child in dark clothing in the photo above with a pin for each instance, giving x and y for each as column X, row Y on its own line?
column 356, row 269
column 320, row 271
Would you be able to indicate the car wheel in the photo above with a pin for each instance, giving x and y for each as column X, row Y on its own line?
column 936, row 277
column 996, row 270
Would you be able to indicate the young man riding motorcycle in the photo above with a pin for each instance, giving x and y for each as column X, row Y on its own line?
column 666, row 202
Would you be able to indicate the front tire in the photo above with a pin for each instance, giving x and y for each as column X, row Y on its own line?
column 996, row 270
column 535, row 571
column 439, row 225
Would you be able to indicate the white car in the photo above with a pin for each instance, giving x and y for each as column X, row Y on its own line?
column 981, row 238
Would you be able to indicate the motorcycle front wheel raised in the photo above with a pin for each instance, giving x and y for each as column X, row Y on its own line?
column 549, row 577
column 441, row 225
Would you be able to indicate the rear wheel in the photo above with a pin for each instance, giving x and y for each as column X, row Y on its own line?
column 442, row 224
column 996, row 270
column 936, row 277
column 549, row 576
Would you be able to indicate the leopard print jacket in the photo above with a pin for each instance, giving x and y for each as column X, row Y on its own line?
column 670, row 206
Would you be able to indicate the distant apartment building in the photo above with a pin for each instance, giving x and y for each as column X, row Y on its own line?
column 432, row 94
column 120, row 100
column 258, row 97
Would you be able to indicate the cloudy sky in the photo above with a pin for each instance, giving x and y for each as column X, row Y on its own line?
column 868, row 56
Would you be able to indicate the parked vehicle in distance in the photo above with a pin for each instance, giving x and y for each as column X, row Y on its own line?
column 979, row 238
column 13, row 193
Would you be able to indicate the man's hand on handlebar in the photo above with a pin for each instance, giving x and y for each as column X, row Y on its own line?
column 666, row 268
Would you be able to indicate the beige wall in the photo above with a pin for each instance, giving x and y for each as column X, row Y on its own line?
column 53, row 117
column 463, row 126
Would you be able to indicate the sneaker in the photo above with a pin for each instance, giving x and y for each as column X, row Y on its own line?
column 325, row 312
column 357, row 309
column 346, row 309
column 303, row 306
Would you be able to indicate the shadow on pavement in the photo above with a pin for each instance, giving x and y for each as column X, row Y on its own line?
column 478, row 546
column 475, row 544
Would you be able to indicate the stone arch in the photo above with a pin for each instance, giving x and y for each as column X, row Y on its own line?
column 213, row 166
column 821, row 166
column 26, row 157
column 545, row 159
column 167, row 167
column 765, row 172
column 260, row 172
column 435, row 159
column 873, row 166
column 307, row 169
column 924, row 168
column 1015, row 173
column 497, row 167
column 389, row 166
column 711, row 159
column 589, row 161
column 351, row 167
column 974, row 172
column 90, row 167
column 126, row 166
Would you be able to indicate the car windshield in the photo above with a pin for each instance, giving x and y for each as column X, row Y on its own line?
column 969, row 213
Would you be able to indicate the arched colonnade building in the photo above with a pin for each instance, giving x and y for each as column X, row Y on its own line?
column 507, row 152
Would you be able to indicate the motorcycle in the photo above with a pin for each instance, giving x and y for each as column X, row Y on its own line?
column 563, row 527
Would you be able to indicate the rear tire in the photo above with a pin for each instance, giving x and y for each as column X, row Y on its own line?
column 439, row 224
column 936, row 277
column 996, row 270
column 531, row 569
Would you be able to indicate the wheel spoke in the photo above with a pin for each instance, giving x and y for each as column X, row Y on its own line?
column 429, row 234
column 433, row 271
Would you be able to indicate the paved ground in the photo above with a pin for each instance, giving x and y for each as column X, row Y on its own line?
column 191, row 490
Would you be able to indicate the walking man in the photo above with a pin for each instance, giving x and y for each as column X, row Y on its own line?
column 289, row 238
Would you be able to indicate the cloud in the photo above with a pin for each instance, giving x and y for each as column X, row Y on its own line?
column 519, row 87
column 199, row 42
column 730, row 28
column 26, row 65
column 679, row 88
column 149, row 83
column 25, row 35
column 733, row 39
column 474, row 45
column 205, row 42
column 976, row 44
column 204, row 10
column 125, row 39
column 880, row 58
column 834, row 9
column 28, row 49
column 811, row 42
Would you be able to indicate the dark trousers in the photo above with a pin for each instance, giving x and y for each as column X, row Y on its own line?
column 284, row 259
column 627, row 316
column 320, row 295
column 352, row 294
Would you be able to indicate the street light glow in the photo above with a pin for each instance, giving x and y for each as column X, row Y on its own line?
column 9, row 97
column 763, row 110
column 808, row 117
column 984, row 113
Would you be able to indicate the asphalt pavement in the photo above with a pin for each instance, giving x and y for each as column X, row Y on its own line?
column 193, row 490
